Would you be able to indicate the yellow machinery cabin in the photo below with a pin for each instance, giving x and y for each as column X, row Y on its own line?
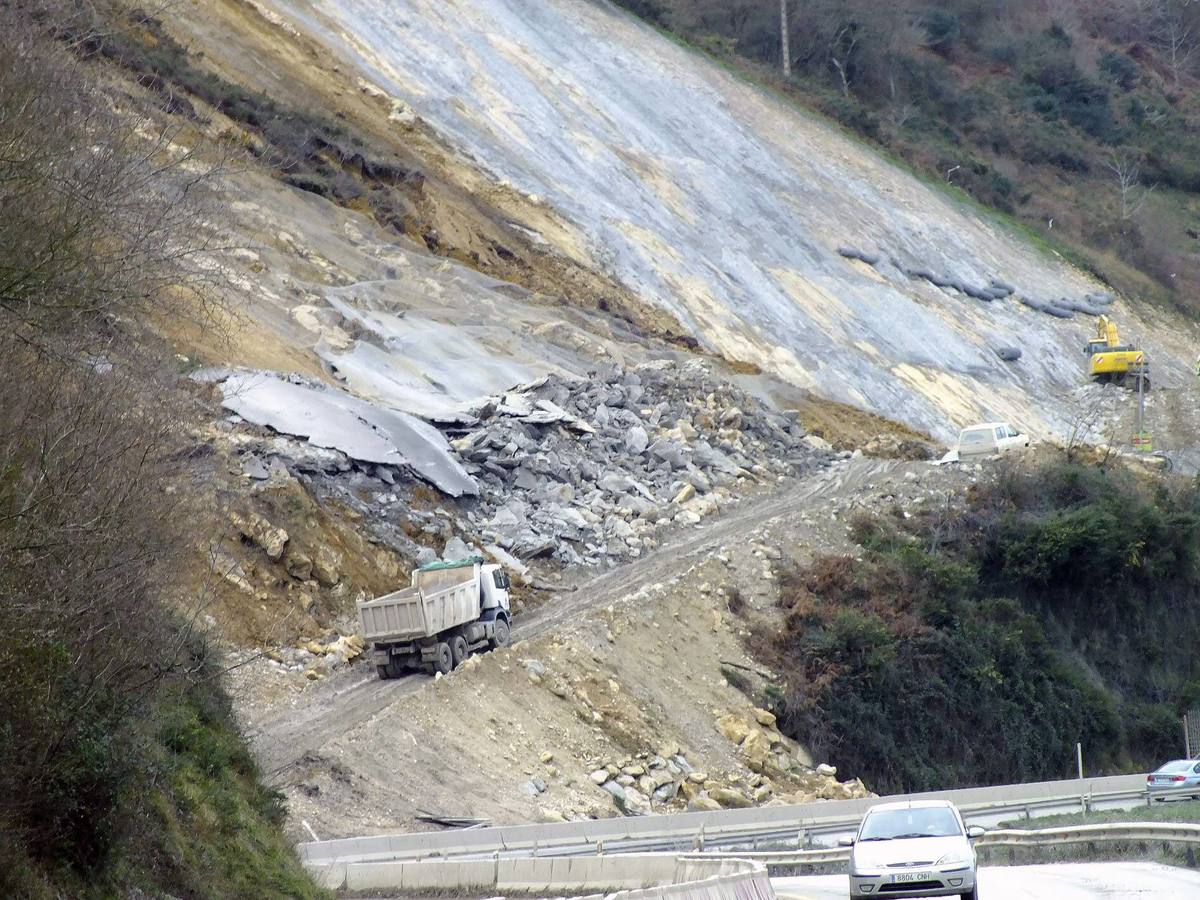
column 1110, row 360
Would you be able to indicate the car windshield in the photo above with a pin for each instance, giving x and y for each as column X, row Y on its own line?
column 887, row 824
column 1181, row 765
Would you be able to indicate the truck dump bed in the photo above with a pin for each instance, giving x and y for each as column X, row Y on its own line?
column 442, row 599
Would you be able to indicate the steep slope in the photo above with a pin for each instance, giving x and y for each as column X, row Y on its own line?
column 719, row 204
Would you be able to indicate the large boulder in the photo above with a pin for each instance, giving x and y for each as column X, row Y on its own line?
column 757, row 749
column 733, row 727
column 730, row 798
column 259, row 531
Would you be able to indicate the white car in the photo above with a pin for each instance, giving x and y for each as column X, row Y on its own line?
column 917, row 848
column 990, row 439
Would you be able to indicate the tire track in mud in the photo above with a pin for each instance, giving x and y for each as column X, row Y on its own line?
column 342, row 703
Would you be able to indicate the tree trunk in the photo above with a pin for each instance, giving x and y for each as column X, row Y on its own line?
column 785, row 52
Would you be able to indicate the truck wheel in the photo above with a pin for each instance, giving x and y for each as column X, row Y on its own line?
column 385, row 672
column 444, row 660
column 458, row 650
column 500, row 635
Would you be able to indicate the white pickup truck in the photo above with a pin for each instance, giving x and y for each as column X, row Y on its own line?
column 988, row 439
column 449, row 610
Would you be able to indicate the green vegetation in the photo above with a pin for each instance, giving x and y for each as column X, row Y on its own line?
column 1062, row 604
column 1077, row 119
column 1187, row 811
column 121, row 767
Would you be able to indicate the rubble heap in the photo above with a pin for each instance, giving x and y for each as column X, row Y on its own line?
column 590, row 469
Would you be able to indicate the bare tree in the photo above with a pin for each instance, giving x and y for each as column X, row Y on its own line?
column 1126, row 168
column 841, row 53
column 785, row 52
column 1176, row 34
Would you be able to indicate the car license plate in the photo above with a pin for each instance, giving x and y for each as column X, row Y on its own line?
column 904, row 877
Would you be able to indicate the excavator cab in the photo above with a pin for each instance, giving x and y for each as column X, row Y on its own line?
column 1110, row 360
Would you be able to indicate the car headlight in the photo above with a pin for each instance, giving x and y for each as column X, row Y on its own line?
column 955, row 859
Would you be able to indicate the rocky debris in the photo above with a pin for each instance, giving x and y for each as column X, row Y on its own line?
column 778, row 761
column 1009, row 354
column 890, row 446
column 255, row 528
column 317, row 658
column 665, row 781
column 589, row 469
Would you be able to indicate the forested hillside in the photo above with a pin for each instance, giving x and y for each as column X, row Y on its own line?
column 1033, row 614
column 122, row 770
column 1079, row 117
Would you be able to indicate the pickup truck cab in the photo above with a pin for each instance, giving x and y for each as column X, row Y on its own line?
column 990, row 439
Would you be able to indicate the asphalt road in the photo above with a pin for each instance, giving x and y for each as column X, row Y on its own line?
column 1068, row 881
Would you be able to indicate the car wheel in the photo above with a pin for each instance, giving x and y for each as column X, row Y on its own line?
column 973, row 894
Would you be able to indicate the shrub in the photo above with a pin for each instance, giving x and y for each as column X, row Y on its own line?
column 941, row 29
column 1121, row 69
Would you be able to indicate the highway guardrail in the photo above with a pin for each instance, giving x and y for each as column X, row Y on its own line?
column 1134, row 832
column 799, row 824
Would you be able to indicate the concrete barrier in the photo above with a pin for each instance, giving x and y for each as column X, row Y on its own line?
column 662, row 876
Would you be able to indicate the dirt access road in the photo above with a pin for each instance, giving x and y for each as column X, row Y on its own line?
column 282, row 738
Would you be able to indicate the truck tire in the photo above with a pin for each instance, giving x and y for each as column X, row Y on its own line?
column 500, row 635
column 385, row 672
column 444, row 660
column 458, row 650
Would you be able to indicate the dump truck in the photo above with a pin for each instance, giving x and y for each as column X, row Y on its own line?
column 1111, row 361
column 449, row 610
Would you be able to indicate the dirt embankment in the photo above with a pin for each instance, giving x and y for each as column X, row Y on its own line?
column 580, row 716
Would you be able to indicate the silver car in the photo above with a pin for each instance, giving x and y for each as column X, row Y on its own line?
column 1174, row 778
column 913, row 849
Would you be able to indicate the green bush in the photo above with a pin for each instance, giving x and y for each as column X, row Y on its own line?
column 1121, row 69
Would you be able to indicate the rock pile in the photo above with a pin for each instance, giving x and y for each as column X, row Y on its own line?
column 666, row 781
column 781, row 763
column 318, row 658
column 589, row 469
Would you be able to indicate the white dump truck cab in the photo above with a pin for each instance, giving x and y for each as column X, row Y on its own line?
column 494, row 585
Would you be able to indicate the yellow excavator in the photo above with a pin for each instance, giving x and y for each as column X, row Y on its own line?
column 1111, row 361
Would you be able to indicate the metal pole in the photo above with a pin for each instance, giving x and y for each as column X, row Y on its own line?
column 1141, row 399
column 1187, row 737
column 1079, row 759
